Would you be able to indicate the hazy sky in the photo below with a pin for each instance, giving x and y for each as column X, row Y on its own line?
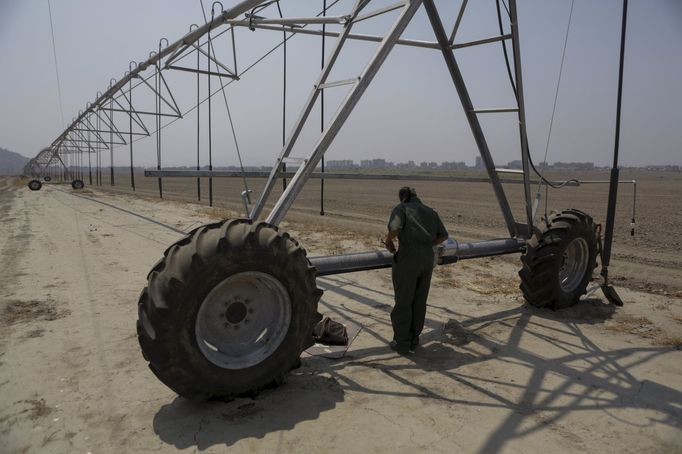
column 411, row 110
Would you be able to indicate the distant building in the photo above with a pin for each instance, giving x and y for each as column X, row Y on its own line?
column 373, row 163
column 573, row 166
column 517, row 164
column 453, row 165
column 340, row 164
column 479, row 163
column 664, row 168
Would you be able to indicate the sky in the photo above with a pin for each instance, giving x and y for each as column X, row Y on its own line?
column 410, row 111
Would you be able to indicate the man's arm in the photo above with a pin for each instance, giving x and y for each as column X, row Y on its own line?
column 390, row 245
column 395, row 224
column 441, row 232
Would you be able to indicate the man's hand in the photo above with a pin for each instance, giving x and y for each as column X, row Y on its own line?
column 388, row 242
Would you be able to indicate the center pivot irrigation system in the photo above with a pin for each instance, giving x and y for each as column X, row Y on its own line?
column 230, row 307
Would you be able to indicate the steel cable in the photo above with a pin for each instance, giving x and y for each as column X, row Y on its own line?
column 56, row 65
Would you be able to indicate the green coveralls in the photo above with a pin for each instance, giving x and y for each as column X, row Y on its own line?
column 418, row 226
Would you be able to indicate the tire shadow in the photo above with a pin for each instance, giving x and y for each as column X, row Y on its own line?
column 184, row 423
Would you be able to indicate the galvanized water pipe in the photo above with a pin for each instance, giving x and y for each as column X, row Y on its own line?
column 451, row 253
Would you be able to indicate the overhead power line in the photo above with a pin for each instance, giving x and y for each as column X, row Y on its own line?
column 56, row 65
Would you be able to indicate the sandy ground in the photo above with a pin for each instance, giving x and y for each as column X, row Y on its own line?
column 493, row 374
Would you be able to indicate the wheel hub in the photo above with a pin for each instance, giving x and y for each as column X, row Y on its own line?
column 236, row 312
column 573, row 264
column 243, row 320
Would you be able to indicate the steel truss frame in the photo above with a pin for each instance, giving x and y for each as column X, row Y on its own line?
column 87, row 132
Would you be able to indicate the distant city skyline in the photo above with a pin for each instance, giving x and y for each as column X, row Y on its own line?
column 411, row 109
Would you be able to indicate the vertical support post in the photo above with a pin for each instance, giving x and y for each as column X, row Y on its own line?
column 89, row 161
column 198, row 121
column 111, row 143
column 474, row 124
column 99, row 154
column 324, row 29
column 525, row 154
column 284, row 104
column 210, row 137
column 130, row 116
column 613, row 183
column 157, row 82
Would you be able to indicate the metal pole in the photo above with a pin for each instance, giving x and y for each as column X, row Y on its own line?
column 613, row 186
column 474, row 124
column 284, row 104
column 198, row 122
column 130, row 116
column 111, row 144
column 210, row 138
column 157, row 81
column 324, row 28
column 89, row 162
column 525, row 154
column 99, row 155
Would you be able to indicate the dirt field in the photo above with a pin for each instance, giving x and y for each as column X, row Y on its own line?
column 650, row 260
column 493, row 374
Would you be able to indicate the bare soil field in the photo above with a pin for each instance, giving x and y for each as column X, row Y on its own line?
column 651, row 260
column 492, row 375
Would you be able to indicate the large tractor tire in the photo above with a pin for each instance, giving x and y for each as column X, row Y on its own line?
column 228, row 310
column 77, row 184
column 558, row 264
column 35, row 185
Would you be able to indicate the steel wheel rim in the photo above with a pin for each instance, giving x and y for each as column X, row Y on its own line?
column 573, row 264
column 243, row 320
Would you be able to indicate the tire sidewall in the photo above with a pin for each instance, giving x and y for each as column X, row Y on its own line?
column 187, row 302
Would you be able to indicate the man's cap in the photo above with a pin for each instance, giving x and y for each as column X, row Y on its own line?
column 406, row 192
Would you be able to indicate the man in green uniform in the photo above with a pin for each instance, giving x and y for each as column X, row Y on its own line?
column 418, row 229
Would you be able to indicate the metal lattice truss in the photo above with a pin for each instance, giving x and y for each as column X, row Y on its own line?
column 117, row 118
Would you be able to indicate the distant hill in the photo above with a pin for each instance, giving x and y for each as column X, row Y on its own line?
column 11, row 163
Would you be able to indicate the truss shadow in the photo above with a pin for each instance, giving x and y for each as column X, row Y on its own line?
column 565, row 371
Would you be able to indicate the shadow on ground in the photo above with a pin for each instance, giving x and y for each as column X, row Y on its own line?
column 307, row 394
column 565, row 373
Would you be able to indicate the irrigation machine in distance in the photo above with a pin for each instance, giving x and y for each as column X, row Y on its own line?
column 230, row 307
